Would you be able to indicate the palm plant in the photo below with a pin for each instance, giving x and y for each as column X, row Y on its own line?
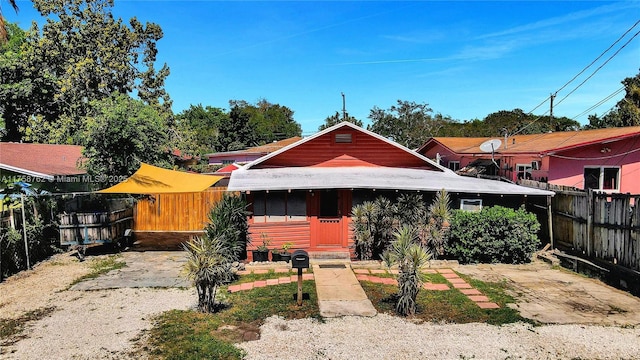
column 410, row 256
column 228, row 223
column 210, row 258
column 410, row 209
column 208, row 267
column 372, row 224
column 434, row 233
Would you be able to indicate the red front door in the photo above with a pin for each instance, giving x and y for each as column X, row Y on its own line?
column 333, row 206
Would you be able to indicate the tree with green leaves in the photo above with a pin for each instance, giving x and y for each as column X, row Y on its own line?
column 256, row 124
column 201, row 125
column 408, row 123
column 3, row 31
column 627, row 110
column 516, row 120
column 121, row 133
column 336, row 119
column 81, row 54
column 25, row 90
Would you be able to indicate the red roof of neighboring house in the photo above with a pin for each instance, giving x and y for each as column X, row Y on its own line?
column 227, row 169
column 41, row 160
column 262, row 149
column 535, row 143
column 271, row 147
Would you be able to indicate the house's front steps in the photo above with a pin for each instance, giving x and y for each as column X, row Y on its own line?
column 339, row 255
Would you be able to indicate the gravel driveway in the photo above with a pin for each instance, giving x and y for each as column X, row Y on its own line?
column 103, row 323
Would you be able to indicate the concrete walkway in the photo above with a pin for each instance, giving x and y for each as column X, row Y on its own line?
column 160, row 269
column 339, row 292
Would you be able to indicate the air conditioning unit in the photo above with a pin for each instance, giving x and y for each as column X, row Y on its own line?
column 535, row 165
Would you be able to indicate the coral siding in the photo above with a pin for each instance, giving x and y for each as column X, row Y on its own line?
column 363, row 147
column 571, row 172
column 296, row 232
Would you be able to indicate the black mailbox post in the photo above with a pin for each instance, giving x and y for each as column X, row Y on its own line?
column 300, row 260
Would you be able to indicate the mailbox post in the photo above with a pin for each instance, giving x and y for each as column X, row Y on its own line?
column 300, row 260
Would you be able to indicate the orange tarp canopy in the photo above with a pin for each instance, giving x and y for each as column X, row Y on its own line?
column 154, row 180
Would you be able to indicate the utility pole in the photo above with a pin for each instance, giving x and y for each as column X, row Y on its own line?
column 344, row 108
column 553, row 96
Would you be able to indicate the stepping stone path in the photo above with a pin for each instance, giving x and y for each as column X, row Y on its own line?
column 369, row 275
column 269, row 282
column 456, row 281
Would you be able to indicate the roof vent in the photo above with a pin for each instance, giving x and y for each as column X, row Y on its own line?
column 343, row 138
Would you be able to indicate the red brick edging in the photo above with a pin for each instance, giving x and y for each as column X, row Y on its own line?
column 268, row 282
column 456, row 281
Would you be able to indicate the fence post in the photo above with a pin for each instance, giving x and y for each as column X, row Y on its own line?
column 24, row 231
column 590, row 209
column 550, row 221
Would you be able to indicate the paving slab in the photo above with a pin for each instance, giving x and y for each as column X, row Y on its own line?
column 339, row 292
column 143, row 269
column 558, row 296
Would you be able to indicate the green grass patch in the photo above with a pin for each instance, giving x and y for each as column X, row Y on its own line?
column 192, row 335
column 10, row 329
column 189, row 334
column 101, row 266
column 449, row 306
column 256, row 277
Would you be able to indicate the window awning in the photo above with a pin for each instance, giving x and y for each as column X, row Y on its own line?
column 149, row 179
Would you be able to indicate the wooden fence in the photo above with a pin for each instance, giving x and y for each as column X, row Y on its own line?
column 94, row 227
column 184, row 212
column 596, row 225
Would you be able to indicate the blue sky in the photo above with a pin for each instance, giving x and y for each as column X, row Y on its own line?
column 466, row 59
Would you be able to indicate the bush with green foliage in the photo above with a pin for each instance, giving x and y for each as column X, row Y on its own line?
column 42, row 236
column 493, row 235
column 12, row 257
column 374, row 222
column 228, row 221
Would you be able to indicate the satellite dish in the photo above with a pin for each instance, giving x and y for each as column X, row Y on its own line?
column 490, row 146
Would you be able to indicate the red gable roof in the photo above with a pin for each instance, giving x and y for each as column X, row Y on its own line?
column 41, row 160
column 345, row 145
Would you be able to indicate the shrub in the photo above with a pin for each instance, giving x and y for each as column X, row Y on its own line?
column 228, row 223
column 493, row 235
column 210, row 258
column 12, row 257
column 372, row 224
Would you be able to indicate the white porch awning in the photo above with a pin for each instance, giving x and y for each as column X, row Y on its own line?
column 309, row 178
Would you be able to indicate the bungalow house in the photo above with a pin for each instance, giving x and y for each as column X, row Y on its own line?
column 250, row 154
column 602, row 159
column 50, row 167
column 304, row 192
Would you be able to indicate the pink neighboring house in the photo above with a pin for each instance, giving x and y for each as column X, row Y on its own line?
column 604, row 159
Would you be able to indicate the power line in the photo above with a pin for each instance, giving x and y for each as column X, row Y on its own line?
column 599, row 56
column 599, row 67
column 600, row 102
column 580, row 73
column 596, row 158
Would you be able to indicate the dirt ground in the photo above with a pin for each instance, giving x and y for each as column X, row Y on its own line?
column 123, row 302
column 557, row 296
